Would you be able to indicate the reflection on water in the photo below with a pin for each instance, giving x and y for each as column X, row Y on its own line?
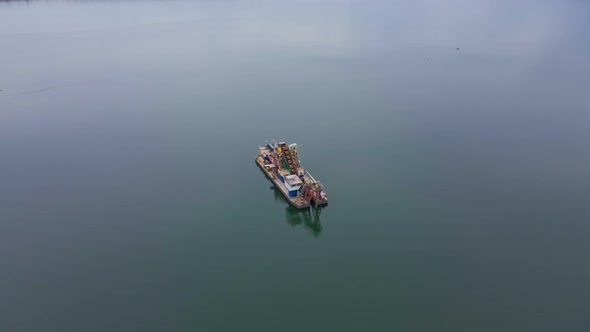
column 309, row 218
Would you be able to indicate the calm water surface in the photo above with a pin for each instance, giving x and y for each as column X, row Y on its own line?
column 459, row 179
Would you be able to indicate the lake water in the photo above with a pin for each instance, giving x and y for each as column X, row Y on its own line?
column 452, row 137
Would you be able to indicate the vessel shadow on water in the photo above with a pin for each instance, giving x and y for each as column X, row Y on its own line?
column 308, row 218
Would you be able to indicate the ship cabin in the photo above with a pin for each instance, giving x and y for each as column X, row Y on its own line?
column 293, row 183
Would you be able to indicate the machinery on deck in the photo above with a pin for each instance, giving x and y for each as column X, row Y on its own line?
column 313, row 190
column 281, row 163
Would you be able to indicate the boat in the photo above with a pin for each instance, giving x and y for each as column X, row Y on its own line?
column 280, row 162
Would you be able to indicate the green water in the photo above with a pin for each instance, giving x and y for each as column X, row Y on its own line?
column 458, row 179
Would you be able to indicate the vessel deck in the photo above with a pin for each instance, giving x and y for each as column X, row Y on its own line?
column 297, row 201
